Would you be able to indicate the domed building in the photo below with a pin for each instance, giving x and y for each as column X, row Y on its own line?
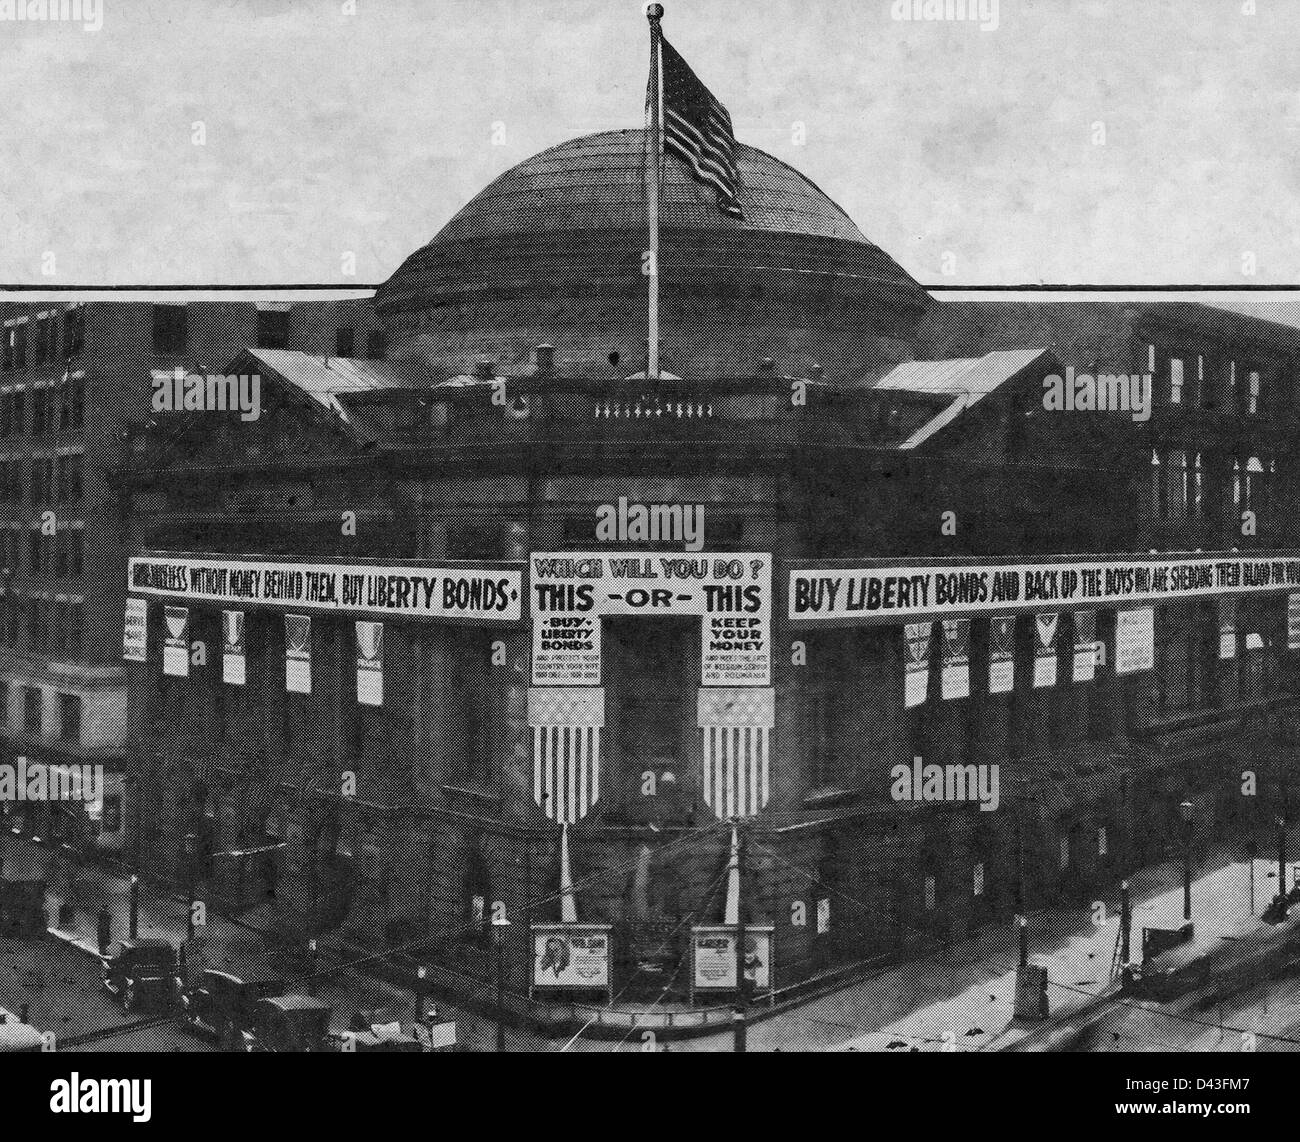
column 509, row 632
column 552, row 251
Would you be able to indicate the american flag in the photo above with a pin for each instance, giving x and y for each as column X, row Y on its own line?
column 697, row 129
column 737, row 728
column 566, row 724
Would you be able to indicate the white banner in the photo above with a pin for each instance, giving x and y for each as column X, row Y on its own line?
column 233, row 656
column 1002, row 654
column 916, row 677
column 492, row 594
column 956, row 658
column 1135, row 640
column 570, row 955
column 731, row 593
column 297, row 654
column 884, row 594
column 370, row 663
column 1085, row 645
column 176, row 642
column 1045, row 627
column 135, row 633
column 1227, row 628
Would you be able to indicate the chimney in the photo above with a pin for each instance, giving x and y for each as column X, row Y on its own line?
column 545, row 355
column 484, row 370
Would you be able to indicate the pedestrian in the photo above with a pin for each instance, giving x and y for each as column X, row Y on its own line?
column 105, row 929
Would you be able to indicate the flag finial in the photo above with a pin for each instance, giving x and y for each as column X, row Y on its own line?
column 654, row 12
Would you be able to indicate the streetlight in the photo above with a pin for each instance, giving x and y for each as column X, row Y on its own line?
column 191, row 846
column 1186, row 810
column 499, row 925
column 135, row 905
column 1281, row 867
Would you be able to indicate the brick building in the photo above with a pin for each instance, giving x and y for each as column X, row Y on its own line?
column 580, row 712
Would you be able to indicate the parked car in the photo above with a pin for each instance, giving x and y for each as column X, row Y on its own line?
column 220, row 1004
column 288, row 1023
column 361, row 1041
column 142, row 974
column 17, row 1036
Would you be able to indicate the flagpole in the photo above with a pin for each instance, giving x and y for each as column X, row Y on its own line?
column 654, row 13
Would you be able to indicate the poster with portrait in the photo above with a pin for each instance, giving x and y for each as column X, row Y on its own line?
column 571, row 955
column 916, row 679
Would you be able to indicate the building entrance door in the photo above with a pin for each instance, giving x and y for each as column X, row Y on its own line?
column 651, row 675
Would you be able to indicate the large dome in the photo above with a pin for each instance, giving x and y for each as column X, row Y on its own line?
column 551, row 251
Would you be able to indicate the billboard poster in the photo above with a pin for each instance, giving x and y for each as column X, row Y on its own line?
column 176, row 642
column 854, row 594
column 135, row 636
column 731, row 594
column 1293, row 622
column 1135, row 640
column 370, row 663
column 713, row 958
column 1002, row 654
column 570, row 955
column 481, row 594
column 1045, row 649
column 956, row 658
column 917, row 673
column 233, row 657
column 297, row 654
column 1085, row 645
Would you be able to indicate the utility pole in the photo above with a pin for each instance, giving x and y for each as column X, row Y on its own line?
column 1125, row 921
column 742, row 991
column 1281, row 867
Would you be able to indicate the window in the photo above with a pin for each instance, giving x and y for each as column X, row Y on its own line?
column 978, row 885
column 76, row 552
column 1175, row 381
column 272, row 328
column 74, row 330
column 1252, row 394
column 31, row 710
column 345, row 341
column 69, row 718
column 930, row 894
column 76, row 401
column 169, row 329
column 376, row 344
column 1102, row 841
column 1063, row 853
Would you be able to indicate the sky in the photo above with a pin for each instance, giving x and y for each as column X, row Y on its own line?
column 290, row 141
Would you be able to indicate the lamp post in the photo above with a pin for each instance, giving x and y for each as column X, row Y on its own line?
column 135, row 906
column 191, row 846
column 499, row 925
column 1186, row 810
column 1281, row 867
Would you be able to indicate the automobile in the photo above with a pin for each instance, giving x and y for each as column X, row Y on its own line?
column 379, row 1040
column 17, row 1036
column 220, row 1004
column 288, row 1023
column 141, row 973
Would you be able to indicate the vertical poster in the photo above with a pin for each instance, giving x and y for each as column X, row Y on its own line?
column 917, row 637
column 370, row 663
column 134, row 633
column 1228, row 628
column 232, row 647
column 1293, row 622
column 956, row 658
column 1002, row 654
column 1085, row 645
column 1045, row 649
column 176, row 649
column 823, row 915
column 1135, row 641
column 297, row 654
